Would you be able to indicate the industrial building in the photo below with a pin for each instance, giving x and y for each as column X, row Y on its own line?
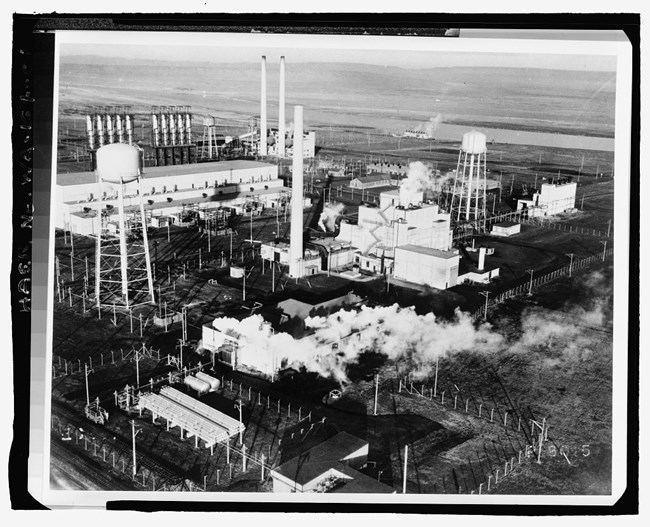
column 481, row 272
column 393, row 169
column 426, row 266
column 400, row 219
column 168, row 189
column 506, row 228
column 332, row 466
column 552, row 198
column 302, row 306
column 372, row 181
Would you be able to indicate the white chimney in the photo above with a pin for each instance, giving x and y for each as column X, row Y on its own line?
column 481, row 258
column 281, row 119
column 263, row 110
column 296, row 251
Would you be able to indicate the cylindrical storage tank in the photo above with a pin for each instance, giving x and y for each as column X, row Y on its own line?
column 172, row 128
column 197, row 384
column 208, row 121
column 90, row 132
column 214, row 383
column 118, row 126
column 154, row 126
column 109, row 128
column 118, row 162
column 181, row 129
column 474, row 142
column 188, row 127
column 129, row 129
column 163, row 128
column 100, row 130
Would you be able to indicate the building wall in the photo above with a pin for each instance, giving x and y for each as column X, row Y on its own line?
column 557, row 198
column 506, row 231
column 426, row 269
column 178, row 187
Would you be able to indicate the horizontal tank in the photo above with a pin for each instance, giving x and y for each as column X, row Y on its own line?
column 118, row 162
column 214, row 383
column 197, row 384
column 474, row 143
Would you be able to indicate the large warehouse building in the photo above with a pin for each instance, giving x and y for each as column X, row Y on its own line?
column 168, row 189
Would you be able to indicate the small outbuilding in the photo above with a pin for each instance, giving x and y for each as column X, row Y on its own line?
column 506, row 228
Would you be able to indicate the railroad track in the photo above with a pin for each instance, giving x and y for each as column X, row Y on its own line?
column 165, row 472
column 80, row 469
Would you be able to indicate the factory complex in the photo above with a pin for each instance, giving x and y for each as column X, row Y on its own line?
column 270, row 297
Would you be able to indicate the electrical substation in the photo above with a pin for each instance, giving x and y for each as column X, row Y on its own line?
column 231, row 296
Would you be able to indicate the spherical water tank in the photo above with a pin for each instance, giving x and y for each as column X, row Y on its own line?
column 208, row 121
column 474, row 142
column 118, row 162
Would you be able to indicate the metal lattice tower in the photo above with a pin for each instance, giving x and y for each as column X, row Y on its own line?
column 468, row 197
column 122, row 261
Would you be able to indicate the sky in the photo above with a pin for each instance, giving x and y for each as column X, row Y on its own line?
column 406, row 52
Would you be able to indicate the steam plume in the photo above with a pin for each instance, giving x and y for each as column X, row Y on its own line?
column 420, row 178
column 328, row 217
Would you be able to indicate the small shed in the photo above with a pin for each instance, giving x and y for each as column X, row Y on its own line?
column 506, row 228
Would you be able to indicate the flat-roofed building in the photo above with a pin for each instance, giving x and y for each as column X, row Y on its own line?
column 426, row 266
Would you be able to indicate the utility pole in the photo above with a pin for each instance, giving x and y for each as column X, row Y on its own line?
column 86, row 373
column 134, row 433
column 376, row 392
column 530, row 285
column 435, row 380
column 609, row 226
column 231, row 245
column 570, row 255
column 406, row 455
column 512, row 184
column 486, row 294
column 604, row 242
column 239, row 405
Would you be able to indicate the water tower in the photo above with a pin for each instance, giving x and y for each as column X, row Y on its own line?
column 468, row 198
column 209, row 143
column 122, row 260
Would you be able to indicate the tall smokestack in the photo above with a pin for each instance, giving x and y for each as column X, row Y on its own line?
column 263, row 150
column 481, row 258
column 296, row 252
column 281, row 130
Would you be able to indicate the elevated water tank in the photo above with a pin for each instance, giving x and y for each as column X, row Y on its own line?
column 214, row 383
column 208, row 121
column 197, row 384
column 474, row 142
column 118, row 162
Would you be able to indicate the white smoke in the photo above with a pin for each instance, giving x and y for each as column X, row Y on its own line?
column 337, row 340
column 331, row 212
column 420, row 178
column 432, row 125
